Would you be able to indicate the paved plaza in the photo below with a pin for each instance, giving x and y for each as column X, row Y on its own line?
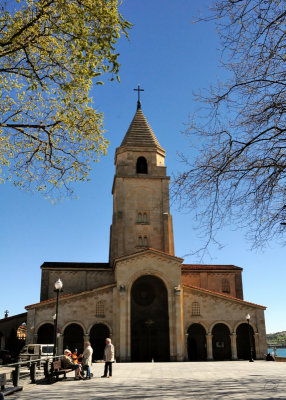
column 209, row 380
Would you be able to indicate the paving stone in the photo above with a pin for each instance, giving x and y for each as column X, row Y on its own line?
column 196, row 381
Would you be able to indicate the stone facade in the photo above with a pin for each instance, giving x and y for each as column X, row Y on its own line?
column 151, row 304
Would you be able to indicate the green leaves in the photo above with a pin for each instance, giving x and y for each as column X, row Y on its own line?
column 51, row 52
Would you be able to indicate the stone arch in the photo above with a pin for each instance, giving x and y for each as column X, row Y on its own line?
column 243, row 321
column 221, row 322
column 97, row 335
column 141, row 165
column 45, row 333
column 74, row 322
column 47, row 321
column 245, row 341
column 221, row 342
column 151, row 272
column 99, row 321
column 196, row 342
column 149, row 319
column 204, row 325
column 73, row 337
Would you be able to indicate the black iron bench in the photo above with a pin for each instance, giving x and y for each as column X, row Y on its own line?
column 9, row 390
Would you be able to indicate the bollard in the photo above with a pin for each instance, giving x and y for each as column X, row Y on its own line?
column 46, row 369
column 15, row 375
column 33, row 372
column 2, row 381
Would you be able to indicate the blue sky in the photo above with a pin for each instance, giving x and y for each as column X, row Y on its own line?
column 170, row 58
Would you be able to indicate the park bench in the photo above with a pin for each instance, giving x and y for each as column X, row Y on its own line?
column 9, row 390
column 58, row 370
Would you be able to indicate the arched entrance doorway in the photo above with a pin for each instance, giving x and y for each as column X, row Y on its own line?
column 221, row 342
column 242, row 342
column 149, row 320
column 46, row 334
column 98, row 334
column 197, row 346
column 73, row 338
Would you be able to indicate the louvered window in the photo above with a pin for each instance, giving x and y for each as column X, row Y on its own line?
column 196, row 308
column 99, row 310
column 225, row 286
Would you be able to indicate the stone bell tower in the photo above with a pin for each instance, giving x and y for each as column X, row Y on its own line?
column 141, row 211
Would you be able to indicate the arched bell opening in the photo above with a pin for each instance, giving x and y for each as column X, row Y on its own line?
column 141, row 166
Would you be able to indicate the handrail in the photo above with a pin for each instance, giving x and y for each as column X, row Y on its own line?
column 32, row 364
column 31, row 361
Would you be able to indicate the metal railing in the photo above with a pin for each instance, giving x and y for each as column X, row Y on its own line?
column 32, row 364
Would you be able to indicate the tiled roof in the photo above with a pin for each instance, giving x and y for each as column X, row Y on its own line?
column 210, row 267
column 77, row 265
column 227, row 297
column 64, row 296
column 50, row 300
column 140, row 133
column 22, row 315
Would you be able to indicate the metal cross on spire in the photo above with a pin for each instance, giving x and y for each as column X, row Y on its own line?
column 138, row 101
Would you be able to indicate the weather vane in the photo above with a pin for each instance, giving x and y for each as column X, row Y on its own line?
column 138, row 101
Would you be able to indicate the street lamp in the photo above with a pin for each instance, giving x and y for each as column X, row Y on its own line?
column 58, row 289
column 247, row 317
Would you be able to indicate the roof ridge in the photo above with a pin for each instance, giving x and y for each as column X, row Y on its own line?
column 225, row 296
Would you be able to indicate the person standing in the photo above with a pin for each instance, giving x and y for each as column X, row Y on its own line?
column 87, row 359
column 108, row 358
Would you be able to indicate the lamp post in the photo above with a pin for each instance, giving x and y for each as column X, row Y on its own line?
column 58, row 289
column 249, row 337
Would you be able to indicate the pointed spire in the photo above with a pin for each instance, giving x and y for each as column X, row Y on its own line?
column 139, row 132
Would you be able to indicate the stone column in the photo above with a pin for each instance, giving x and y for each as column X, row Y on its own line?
column 86, row 338
column 233, row 346
column 257, row 347
column 123, row 323
column 30, row 326
column 178, row 324
column 60, row 338
column 35, row 338
column 186, row 355
column 209, row 339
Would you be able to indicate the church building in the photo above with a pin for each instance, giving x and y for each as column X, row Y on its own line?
column 151, row 304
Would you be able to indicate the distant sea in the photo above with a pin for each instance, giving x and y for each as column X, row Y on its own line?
column 281, row 352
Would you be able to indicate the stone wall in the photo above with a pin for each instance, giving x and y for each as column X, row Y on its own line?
column 214, row 309
column 79, row 309
column 213, row 280
column 74, row 281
